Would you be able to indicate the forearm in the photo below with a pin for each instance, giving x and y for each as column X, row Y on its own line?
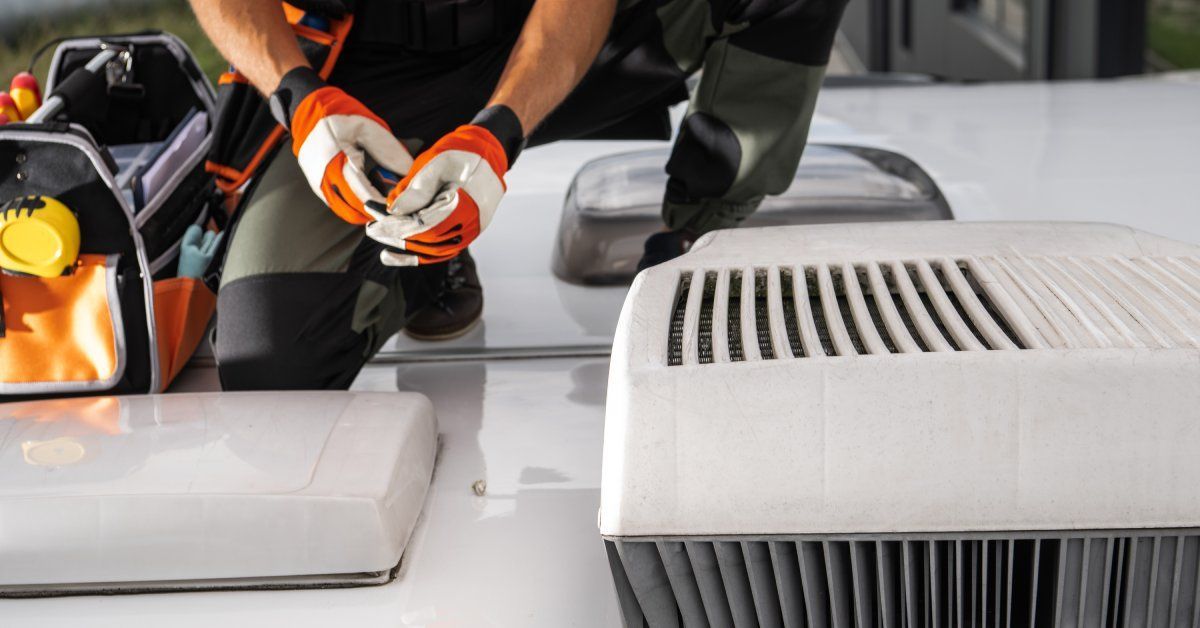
column 254, row 36
column 558, row 44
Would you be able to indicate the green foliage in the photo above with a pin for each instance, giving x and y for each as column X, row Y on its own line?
column 173, row 16
column 1174, row 33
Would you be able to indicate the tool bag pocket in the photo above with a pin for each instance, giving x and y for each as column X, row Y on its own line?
column 182, row 309
column 245, row 131
column 118, row 319
column 63, row 334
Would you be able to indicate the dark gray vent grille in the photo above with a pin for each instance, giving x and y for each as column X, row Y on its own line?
column 993, row 580
column 761, row 318
column 734, row 316
column 706, row 318
column 790, row 321
column 675, row 338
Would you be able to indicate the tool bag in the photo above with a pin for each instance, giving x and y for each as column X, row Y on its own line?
column 124, row 150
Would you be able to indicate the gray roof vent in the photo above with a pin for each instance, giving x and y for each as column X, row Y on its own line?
column 616, row 202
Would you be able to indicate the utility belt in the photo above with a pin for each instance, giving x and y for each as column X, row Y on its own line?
column 425, row 25
column 246, row 134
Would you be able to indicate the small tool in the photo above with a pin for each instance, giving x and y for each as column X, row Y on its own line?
column 26, row 93
column 38, row 236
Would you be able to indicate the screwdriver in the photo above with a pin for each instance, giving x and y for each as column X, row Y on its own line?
column 26, row 94
column 8, row 108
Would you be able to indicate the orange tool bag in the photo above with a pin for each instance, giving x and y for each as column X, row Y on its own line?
column 101, row 183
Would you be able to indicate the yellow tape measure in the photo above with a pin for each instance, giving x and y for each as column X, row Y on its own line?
column 38, row 236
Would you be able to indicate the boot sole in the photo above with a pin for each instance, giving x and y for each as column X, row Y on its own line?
column 442, row 335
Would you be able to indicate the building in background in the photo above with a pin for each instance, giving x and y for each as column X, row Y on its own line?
column 1024, row 39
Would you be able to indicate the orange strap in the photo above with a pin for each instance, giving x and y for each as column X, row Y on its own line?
column 230, row 179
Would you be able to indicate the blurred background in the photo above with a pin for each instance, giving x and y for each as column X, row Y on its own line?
column 1024, row 39
column 949, row 39
column 25, row 25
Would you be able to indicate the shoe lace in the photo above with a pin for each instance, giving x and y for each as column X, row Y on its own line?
column 455, row 278
column 453, row 281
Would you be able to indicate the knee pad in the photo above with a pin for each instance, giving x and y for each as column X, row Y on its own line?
column 288, row 331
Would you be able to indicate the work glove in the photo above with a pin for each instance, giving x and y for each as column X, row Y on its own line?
column 197, row 250
column 451, row 192
column 332, row 136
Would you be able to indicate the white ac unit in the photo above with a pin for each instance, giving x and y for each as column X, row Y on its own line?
column 918, row 424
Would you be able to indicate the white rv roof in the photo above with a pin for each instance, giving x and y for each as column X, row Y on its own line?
column 526, row 553
column 183, row 488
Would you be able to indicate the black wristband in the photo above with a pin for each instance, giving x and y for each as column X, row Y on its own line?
column 293, row 88
column 503, row 123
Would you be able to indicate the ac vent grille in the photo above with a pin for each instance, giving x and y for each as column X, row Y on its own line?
column 1055, row 579
column 934, row 305
column 706, row 318
column 734, row 317
column 762, row 322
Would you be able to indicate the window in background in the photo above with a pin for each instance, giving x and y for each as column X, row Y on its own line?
column 1173, row 34
column 1006, row 17
column 1013, row 22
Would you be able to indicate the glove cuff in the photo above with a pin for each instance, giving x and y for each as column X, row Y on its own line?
column 295, row 86
column 503, row 123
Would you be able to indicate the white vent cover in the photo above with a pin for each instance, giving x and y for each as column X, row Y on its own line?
column 213, row 490
column 918, row 377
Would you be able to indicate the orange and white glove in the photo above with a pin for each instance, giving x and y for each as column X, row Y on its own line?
column 332, row 136
column 451, row 193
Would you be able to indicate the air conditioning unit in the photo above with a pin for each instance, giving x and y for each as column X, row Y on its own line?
column 916, row 424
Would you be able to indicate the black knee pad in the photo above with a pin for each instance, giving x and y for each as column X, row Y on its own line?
column 705, row 160
column 288, row 331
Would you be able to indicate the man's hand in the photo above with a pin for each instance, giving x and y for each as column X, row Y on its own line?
column 454, row 187
column 451, row 193
column 331, row 132
column 332, row 136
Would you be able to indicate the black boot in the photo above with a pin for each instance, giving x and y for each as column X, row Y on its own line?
column 665, row 246
column 458, row 308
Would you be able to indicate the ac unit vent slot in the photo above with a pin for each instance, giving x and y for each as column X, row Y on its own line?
column 931, row 310
column 675, row 334
column 843, row 303
column 877, row 317
column 791, row 322
column 959, row 308
column 902, row 310
column 992, row 311
column 818, row 312
column 762, row 322
column 734, row 317
column 705, row 344
column 993, row 579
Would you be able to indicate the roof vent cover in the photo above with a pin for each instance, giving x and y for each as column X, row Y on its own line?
column 210, row 490
column 616, row 200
